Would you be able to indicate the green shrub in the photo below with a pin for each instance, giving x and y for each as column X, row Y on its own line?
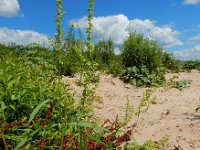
column 140, row 51
column 143, row 59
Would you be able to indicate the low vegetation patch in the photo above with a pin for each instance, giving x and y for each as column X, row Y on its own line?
column 141, row 76
column 178, row 84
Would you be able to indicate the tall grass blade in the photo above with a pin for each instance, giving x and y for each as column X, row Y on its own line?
column 36, row 110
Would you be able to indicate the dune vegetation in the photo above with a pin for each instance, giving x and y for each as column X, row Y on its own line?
column 39, row 111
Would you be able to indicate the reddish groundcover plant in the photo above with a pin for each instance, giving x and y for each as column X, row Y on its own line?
column 108, row 136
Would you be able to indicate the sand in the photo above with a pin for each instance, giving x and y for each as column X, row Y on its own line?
column 172, row 115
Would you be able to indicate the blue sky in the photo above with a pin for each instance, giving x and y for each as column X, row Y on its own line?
column 174, row 24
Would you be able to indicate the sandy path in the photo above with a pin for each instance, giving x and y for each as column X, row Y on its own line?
column 173, row 115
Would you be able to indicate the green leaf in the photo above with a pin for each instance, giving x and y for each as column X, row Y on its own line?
column 21, row 143
column 100, row 128
column 25, row 139
column 133, row 81
column 95, row 138
column 88, row 125
column 82, row 124
column 36, row 110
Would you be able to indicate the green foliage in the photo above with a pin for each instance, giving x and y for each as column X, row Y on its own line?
column 143, row 59
column 107, row 60
column 170, row 63
column 25, row 82
column 20, row 79
column 58, row 44
column 116, row 67
column 66, row 49
column 36, row 110
column 70, row 62
column 89, row 30
column 189, row 65
column 140, row 51
column 104, row 52
column 178, row 84
column 141, row 76
column 145, row 102
column 28, row 121
column 177, row 65
column 148, row 145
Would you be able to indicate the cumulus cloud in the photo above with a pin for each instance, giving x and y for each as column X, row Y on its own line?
column 118, row 26
column 9, row 8
column 189, row 54
column 191, row 2
column 165, row 36
column 22, row 37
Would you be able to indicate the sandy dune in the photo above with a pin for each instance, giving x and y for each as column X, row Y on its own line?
column 172, row 115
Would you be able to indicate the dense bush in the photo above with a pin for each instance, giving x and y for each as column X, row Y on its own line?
column 140, row 51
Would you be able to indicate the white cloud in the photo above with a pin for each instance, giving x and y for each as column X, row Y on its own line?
column 189, row 54
column 195, row 38
column 9, row 8
column 118, row 26
column 165, row 36
column 191, row 2
column 22, row 37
